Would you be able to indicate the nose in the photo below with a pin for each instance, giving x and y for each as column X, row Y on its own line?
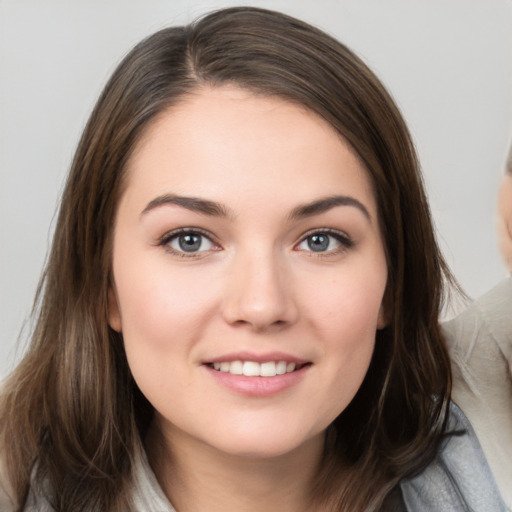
column 260, row 293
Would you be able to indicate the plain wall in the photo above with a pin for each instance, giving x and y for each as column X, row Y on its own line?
column 448, row 63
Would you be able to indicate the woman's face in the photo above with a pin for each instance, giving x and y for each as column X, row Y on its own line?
column 249, row 272
column 505, row 220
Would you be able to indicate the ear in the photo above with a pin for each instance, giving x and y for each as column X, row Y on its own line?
column 114, row 315
column 382, row 320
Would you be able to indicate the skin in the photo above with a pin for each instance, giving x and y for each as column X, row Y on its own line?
column 505, row 220
column 254, row 286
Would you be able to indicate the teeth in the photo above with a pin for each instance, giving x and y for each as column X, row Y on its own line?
column 281, row 367
column 236, row 367
column 268, row 369
column 290, row 367
column 254, row 369
column 251, row 369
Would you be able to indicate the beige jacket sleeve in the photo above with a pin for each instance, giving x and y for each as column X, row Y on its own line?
column 480, row 344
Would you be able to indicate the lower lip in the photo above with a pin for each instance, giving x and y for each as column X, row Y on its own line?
column 259, row 386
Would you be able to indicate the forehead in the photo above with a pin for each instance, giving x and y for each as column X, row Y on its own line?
column 226, row 140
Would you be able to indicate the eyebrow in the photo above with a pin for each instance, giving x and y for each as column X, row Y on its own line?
column 327, row 203
column 195, row 204
column 214, row 209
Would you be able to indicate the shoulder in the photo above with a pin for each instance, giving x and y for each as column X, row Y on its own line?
column 480, row 338
column 487, row 318
column 458, row 478
column 143, row 491
column 480, row 345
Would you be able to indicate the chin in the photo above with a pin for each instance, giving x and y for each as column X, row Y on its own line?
column 265, row 444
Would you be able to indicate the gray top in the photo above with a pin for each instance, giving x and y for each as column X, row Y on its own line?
column 459, row 479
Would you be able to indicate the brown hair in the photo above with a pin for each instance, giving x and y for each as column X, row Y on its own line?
column 71, row 406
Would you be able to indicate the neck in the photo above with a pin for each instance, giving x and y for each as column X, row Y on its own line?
column 198, row 478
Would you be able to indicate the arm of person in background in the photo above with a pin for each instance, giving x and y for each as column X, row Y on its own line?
column 480, row 344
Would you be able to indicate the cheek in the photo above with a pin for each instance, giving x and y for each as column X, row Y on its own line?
column 349, row 304
column 162, row 309
column 351, row 326
column 163, row 315
column 349, row 353
column 345, row 314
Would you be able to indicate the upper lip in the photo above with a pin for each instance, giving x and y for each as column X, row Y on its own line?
column 257, row 358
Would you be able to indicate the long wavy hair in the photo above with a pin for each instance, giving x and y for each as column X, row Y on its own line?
column 72, row 416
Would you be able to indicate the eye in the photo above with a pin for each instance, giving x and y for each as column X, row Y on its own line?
column 188, row 242
column 324, row 242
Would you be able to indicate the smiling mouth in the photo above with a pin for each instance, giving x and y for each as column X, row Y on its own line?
column 254, row 369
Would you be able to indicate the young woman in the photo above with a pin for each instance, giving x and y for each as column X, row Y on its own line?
column 240, row 306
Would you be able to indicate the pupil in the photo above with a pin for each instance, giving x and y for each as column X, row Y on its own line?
column 318, row 243
column 190, row 243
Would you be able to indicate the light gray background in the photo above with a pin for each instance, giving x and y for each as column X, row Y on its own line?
column 448, row 63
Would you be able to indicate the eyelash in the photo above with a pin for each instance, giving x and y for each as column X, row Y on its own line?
column 344, row 240
column 172, row 235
